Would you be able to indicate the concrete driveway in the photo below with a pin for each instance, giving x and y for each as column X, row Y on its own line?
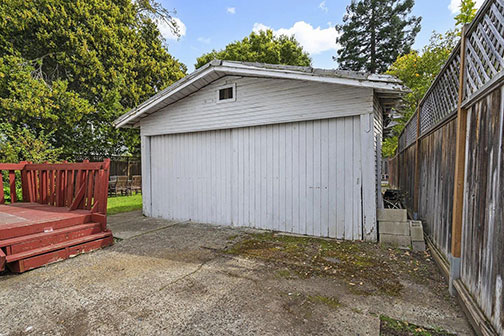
column 166, row 278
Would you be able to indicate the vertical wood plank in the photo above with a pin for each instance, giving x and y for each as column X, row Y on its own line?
column 359, row 164
column 12, row 185
column 368, row 177
column 349, row 178
column 324, row 178
column 340, row 179
column 334, row 189
column 24, row 183
column 2, row 195
column 146, row 175
column 317, row 183
column 460, row 152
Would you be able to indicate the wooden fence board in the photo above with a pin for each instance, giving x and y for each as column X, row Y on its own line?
column 482, row 267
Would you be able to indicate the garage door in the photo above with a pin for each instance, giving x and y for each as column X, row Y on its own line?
column 302, row 177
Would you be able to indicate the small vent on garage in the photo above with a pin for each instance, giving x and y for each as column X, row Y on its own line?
column 226, row 93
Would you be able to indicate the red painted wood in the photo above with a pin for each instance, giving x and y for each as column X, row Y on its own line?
column 37, row 240
column 54, row 247
column 69, row 188
column 51, row 187
column 85, row 165
column 79, row 197
column 59, row 184
column 43, row 196
column 28, row 218
column 55, row 223
column 24, row 183
column 12, row 185
column 100, row 218
column 12, row 166
column 2, row 260
column 44, row 259
column 2, row 196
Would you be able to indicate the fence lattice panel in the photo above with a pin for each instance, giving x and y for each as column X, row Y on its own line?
column 484, row 63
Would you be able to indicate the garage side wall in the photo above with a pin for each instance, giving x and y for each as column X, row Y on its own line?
column 303, row 177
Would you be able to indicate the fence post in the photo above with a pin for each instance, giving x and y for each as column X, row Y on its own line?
column 417, row 166
column 458, row 190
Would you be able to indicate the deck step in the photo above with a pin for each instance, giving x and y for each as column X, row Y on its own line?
column 58, row 246
column 15, row 230
column 50, row 237
column 27, row 264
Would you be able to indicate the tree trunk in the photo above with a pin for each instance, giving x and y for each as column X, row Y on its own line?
column 372, row 66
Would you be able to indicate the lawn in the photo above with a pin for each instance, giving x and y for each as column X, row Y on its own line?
column 118, row 204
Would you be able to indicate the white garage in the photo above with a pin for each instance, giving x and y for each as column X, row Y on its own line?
column 285, row 148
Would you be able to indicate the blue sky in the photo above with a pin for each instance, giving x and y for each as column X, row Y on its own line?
column 207, row 25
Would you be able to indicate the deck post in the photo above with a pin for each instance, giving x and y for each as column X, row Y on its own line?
column 458, row 190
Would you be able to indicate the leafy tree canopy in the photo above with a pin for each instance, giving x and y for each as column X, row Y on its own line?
column 418, row 71
column 374, row 33
column 467, row 12
column 69, row 68
column 262, row 47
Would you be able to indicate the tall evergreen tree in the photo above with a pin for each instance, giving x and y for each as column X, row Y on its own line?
column 374, row 33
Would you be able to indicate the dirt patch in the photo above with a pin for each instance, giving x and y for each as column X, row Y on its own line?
column 198, row 279
column 368, row 269
column 392, row 327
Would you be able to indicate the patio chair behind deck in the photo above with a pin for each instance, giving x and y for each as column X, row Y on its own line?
column 112, row 186
column 136, row 184
column 122, row 185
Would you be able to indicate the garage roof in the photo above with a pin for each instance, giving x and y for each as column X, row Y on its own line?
column 388, row 88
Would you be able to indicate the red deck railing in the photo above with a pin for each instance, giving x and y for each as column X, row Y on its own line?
column 73, row 185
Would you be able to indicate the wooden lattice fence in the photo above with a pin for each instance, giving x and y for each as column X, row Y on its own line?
column 450, row 165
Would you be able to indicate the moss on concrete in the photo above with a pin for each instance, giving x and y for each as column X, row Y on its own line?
column 392, row 327
column 367, row 268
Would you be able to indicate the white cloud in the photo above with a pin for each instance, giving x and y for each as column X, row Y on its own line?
column 259, row 26
column 313, row 40
column 231, row 10
column 323, row 6
column 455, row 4
column 167, row 32
column 205, row 40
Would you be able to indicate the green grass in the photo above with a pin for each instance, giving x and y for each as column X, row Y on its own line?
column 392, row 327
column 118, row 204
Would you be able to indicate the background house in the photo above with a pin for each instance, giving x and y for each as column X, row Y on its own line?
column 285, row 148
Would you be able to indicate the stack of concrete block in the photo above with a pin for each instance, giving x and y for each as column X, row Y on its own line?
column 395, row 229
column 417, row 237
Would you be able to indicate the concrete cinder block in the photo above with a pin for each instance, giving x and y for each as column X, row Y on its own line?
column 392, row 215
column 416, row 230
column 418, row 246
column 395, row 240
column 395, row 228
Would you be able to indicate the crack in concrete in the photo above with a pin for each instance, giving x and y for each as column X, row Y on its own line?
column 152, row 231
column 200, row 266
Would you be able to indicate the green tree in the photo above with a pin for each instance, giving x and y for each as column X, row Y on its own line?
column 418, row 71
column 374, row 33
column 19, row 144
column 467, row 12
column 81, row 64
column 262, row 47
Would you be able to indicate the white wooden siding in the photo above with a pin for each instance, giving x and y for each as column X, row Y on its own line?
column 303, row 177
column 378, row 140
column 259, row 101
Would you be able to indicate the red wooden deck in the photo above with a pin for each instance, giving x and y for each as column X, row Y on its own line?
column 64, row 214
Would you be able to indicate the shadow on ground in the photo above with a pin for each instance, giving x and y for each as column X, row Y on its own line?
column 169, row 278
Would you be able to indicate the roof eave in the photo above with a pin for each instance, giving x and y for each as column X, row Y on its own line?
column 377, row 82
